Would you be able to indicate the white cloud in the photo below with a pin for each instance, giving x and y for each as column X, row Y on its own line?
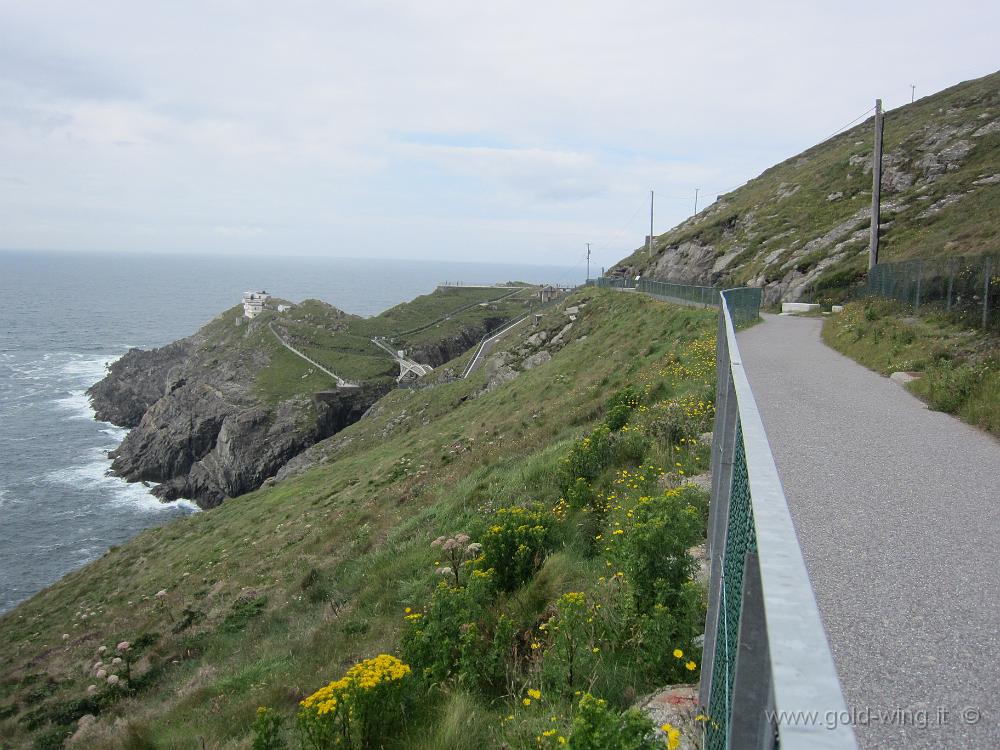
column 147, row 125
column 237, row 232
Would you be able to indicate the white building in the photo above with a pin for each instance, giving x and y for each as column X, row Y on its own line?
column 253, row 303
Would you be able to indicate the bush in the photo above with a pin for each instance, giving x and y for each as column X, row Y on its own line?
column 267, row 730
column 587, row 458
column 569, row 658
column 445, row 641
column 677, row 420
column 949, row 386
column 245, row 609
column 620, row 408
column 665, row 639
column 581, row 495
column 364, row 709
column 653, row 547
column 515, row 545
column 596, row 727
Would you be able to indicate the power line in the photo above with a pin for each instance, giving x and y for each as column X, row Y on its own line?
column 857, row 119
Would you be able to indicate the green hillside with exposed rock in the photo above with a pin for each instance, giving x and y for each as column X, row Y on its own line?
column 215, row 415
column 801, row 228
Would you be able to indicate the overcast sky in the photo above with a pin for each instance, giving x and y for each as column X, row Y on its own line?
column 447, row 130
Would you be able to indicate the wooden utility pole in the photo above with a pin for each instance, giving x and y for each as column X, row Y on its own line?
column 696, row 200
column 876, row 187
column 650, row 223
column 588, row 261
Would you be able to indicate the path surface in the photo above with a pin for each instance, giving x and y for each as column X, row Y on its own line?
column 341, row 383
column 897, row 509
column 488, row 345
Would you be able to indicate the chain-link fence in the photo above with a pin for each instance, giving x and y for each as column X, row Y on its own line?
column 744, row 303
column 767, row 677
column 968, row 287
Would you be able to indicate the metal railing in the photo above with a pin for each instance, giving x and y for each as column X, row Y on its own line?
column 969, row 287
column 768, row 678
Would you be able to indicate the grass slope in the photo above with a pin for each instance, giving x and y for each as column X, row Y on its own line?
column 938, row 151
column 276, row 592
column 342, row 342
column 959, row 367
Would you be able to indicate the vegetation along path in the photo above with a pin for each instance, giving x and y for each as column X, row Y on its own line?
column 896, row 511
column 341, row 383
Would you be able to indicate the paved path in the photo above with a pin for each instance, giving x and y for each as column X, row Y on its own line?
column 897, row 509
column 486, row 346
column 341, row 383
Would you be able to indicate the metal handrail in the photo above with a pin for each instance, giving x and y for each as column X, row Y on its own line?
column 768, row 678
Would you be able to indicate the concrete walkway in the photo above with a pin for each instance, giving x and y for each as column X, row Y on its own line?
column 486, row 346
column 897, row 509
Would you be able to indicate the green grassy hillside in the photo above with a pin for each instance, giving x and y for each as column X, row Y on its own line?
column 342, row 342
column 800, row 229
column 274, row 594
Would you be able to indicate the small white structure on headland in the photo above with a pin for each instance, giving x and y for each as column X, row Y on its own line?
column 253, row 303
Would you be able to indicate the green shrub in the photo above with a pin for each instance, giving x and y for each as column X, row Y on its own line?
column 485, row 663
column 653, row 545
column 515, row 545
column 571, row 652
column 436, row 642
column 620, row 407
column 245, row 609
column 664, row 639
column 364, row 709
column 597, row 727
column 949, row 386
column 267, row 730
column 580, row 494
column 629, row 448
column 588, row 458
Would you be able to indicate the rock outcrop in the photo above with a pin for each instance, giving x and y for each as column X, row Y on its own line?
column 135, row 382
column 800, row 230
column 202, row 426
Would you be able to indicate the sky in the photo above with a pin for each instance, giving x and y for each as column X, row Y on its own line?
column 440, row 130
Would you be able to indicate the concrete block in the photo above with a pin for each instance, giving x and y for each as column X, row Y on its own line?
column 794, row 307
column 837, row 308
column 904, row 377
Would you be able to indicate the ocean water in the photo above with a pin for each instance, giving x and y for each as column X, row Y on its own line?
column 64, row 317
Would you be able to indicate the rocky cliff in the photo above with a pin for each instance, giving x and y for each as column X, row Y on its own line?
column 212, row 415
column 216, row 414
column 801, row 228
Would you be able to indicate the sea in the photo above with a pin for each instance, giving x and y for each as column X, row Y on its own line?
column 65, row 316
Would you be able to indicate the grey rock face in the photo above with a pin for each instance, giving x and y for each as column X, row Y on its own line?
column 535, row 360
column 199, row 426
column 136, row 382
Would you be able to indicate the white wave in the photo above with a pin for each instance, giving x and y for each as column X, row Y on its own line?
column 78, row 403
column 117, row 433
column 93, row 475
column 3, row 497
column 90, row 369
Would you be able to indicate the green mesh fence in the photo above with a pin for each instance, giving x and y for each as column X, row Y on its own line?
column 705, row 296
column 744, row 302
column 968, row 287
column 740, row 539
